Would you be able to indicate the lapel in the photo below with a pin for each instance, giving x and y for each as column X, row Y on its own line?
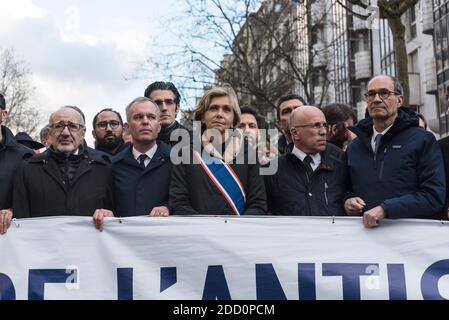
column 52, row 169
column 84, row 167
column 157, row 160
column 129, row 159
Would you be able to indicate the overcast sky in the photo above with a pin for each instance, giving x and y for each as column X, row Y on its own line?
column 82, row 51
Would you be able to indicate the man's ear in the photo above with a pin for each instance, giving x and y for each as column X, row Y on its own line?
column 94, row 134
column 293, row 132
column 334, row 129
column 401, row 100
column 4, row 114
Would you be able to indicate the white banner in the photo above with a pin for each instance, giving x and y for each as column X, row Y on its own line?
column 224, row 258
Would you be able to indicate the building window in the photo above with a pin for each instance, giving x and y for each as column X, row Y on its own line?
column 341, row 55
column 412, row 22
column 387, row 56
column 441, row 46
column 413, row 66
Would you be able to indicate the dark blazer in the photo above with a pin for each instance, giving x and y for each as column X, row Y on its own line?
column 11, row 155
column 138, row 190
column 40, row 190
column 193, row 192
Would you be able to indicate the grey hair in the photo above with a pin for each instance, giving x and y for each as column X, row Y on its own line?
column 78, row 110
column 137, row 100
column 396, row 83
column 43, row 134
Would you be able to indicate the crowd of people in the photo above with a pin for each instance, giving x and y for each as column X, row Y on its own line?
column 326, row 162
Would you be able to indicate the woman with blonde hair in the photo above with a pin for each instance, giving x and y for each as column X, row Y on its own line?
column 221, row 178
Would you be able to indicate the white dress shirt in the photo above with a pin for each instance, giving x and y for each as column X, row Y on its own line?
column 316, row 158
column 150, row 153
column 375, row 133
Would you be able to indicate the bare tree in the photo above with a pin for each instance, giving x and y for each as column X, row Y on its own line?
column 265, row 53
column 393, row 10
column 15, row 85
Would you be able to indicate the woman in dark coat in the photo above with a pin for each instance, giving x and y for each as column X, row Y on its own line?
column 218, row 175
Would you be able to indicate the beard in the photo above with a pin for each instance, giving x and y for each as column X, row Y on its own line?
column 338, row 139
column 108, row 145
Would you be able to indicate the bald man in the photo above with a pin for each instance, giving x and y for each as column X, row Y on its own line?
column 65, row 180
column 311, row 179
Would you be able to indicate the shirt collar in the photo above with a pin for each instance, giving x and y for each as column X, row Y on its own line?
column 316, row 158
column 375, row 132
column 150, row 153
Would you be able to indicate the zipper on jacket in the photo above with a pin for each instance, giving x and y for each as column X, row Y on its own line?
column 325, row 193
column 381, row 171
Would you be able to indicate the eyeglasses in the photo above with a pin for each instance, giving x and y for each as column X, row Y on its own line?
column 60, row 126
column 104, row 124
column 316, row 126
column 168, row 102
column 383, row 94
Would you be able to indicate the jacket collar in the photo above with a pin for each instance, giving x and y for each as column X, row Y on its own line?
column 44, row 157
column 406, row 118
column 162, row 151
column 233, row 144
column 325, row 164
column 8, row 138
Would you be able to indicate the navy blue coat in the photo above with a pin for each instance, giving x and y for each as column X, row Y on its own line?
column 138, row 190
column 406, row 174
column 290, row 193
column 11, row 155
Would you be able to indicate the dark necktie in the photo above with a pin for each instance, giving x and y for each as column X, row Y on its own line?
column 142, row 159
column 377, row 142
column 309, row 171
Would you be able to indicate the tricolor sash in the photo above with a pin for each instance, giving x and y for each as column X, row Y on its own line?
column 41, row 150
column 225, row 179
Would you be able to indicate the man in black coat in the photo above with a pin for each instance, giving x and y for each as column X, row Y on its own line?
column 311, row 178
column 142, row 171
column 166, row 96
column 339, row 117
column 11, row 155
column 285, row 107
column 65, row 179
column 108, row 132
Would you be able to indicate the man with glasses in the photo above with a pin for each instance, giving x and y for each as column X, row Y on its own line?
column 311, row 178
column 396, row 168
column 11, row 155
column 285, row 107
column 166, row 96
column 339, row 117
column 108, row 131
column 65, row 179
